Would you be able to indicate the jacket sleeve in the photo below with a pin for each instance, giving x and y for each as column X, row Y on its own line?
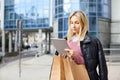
column 103, row 71
column 56, row 53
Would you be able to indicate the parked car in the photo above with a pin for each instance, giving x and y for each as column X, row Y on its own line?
column 26, row 46
column 34, row 45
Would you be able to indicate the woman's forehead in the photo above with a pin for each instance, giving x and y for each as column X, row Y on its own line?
column 74, row 18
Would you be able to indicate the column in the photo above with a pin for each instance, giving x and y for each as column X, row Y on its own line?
column 10, row 42
column 15, row 45
column 2, row 27
column 115, row 24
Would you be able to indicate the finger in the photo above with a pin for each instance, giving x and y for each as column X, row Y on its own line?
column 68, row 54
column 64, row 55
column 67, row 50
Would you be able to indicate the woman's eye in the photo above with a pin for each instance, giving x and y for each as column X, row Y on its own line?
column 77, row 22
column 71, row 22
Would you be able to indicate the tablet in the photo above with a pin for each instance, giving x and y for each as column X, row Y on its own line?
column 59, row 44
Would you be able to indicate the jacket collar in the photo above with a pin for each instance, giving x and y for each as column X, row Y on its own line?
column 86, row 39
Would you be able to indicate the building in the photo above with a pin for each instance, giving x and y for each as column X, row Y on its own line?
column 115, row 24
column 94, row 9
column 34, row 14
column 2, row 27
column 38, row 16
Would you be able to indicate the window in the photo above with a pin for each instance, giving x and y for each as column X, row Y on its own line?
column 92, row 7
column 60, row 24
column 92, row 23
column 92, row 14
column 31, row 12
column 60, row 35
column 99, row 7
column 11, row 16
column 60, row 9
column 92, row 33
column 84, row 0
column 92, row 0
column 65, row 24
column 84, row 6
column 60, row 2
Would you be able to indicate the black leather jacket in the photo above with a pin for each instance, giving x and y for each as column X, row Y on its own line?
column 94, row 57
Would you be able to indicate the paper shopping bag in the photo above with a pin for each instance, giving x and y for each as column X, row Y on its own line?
column 57, row 69
column 74, row 71
column 66, row 69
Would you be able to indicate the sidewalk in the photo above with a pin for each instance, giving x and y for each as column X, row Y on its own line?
column 38, row 68
column 35, row 68
column 113, row 70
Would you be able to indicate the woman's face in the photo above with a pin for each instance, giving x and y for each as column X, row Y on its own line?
column 75, row 25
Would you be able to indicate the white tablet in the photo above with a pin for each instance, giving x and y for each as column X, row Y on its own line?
column 59, row 44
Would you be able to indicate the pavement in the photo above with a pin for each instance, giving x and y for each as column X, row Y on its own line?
column 32, row 68
column 38, row 68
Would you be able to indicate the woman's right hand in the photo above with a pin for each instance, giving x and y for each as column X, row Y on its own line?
column 70, row 53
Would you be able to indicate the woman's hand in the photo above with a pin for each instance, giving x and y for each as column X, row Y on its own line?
column 70, row 53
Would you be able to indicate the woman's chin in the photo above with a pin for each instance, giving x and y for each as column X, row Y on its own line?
column 74, row 32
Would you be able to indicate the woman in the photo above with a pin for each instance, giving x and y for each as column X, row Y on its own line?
column 84, row 49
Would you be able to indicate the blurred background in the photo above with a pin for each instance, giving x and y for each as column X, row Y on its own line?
column 45, row 19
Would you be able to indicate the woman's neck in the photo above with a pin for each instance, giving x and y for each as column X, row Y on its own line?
column 75, row 38
column 75, row 34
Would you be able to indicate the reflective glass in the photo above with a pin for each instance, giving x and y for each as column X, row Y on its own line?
column 99, row 7
column 60, row 9
column 65, row 24
column 55, row 2
column 84, row 0
column 66, row 1
column 60, row 35
column 99, row 1
column 31, row 12
column 92, row 33
column 84, row 7
column 92, row 14
column 60, row 2
column 92, row 23
column 60, row 24
column 92, row 0
column 74, row 7
column 92, row 7
column 64, row 34
column 105, row 1
column 105, row 10
column 67, row 7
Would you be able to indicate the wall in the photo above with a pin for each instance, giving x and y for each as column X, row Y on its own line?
column 104, row 32
column 55, row 29
column 115, row 23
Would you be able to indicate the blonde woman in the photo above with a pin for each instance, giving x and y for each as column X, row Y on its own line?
column 84, row 49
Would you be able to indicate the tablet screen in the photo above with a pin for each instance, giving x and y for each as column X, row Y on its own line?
column 59, row 44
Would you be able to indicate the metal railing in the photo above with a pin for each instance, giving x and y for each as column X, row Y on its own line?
column 112, row 54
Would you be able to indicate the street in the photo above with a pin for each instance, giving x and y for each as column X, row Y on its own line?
column 38, row 68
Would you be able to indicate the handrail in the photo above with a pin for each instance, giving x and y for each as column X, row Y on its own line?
column 112, row 49
column 112, row 56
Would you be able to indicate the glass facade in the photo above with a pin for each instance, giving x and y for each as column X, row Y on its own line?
column 93, row 9
column 33, row 13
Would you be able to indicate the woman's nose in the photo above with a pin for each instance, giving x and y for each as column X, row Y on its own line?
column 73, row 24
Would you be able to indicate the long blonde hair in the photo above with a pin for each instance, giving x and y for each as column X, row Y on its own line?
column 83, row 20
